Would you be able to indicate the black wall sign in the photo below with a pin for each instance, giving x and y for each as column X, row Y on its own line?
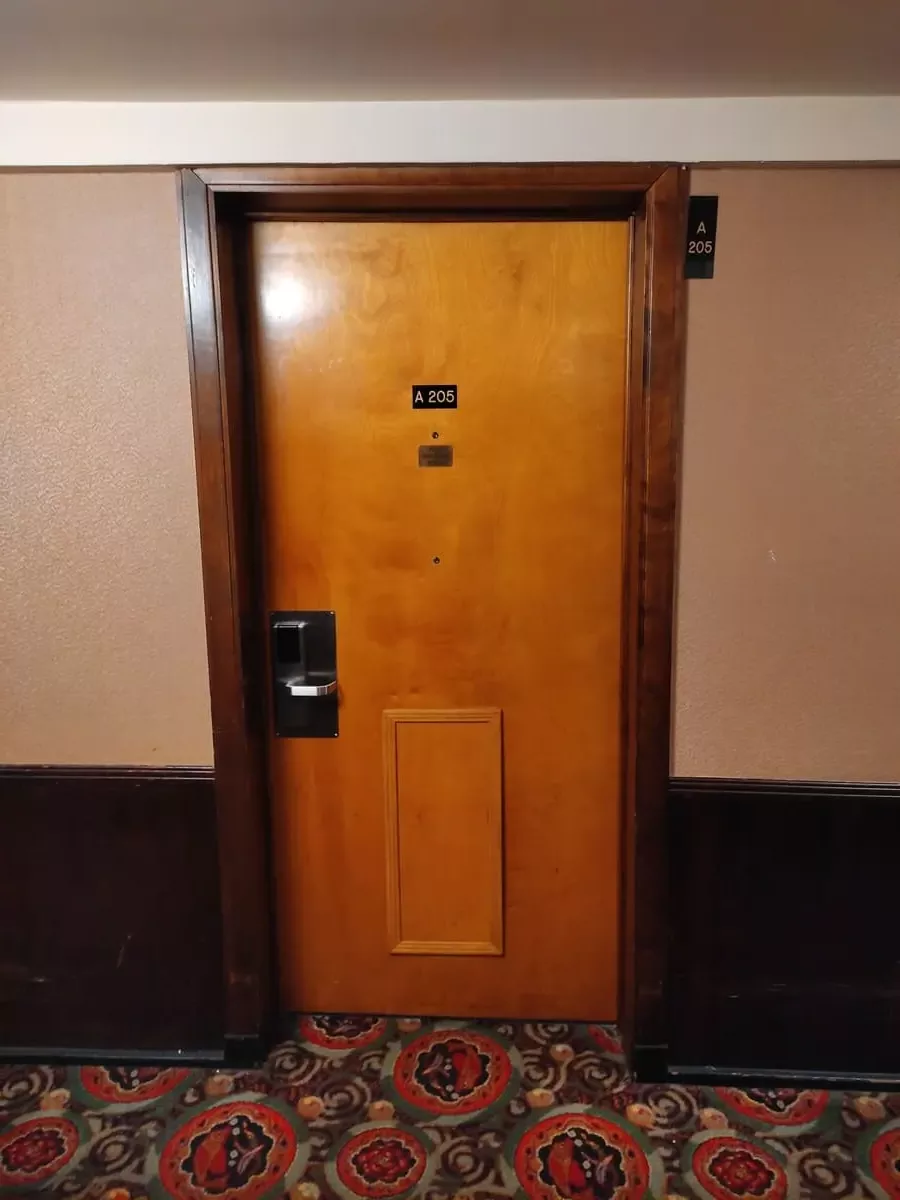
column 434, row 395
column 700, row 254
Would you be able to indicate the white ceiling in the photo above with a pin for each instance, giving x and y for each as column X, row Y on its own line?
column 445, row 49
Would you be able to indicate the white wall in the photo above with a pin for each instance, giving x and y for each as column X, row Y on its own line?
column 782, row 129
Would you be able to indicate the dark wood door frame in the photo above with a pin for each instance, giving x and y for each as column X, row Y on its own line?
column 215, row 205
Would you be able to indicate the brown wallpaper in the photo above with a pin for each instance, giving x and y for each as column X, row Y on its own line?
column 102, row 651
column 788, row 637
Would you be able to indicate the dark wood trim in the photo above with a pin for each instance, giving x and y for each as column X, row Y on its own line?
column 114, row 952
column 474, row 179
column 656, row 369
column 216, row 202
column 434, row 193
column 702, row 1075
column 240, row 791
column 782, row 970
column 58, row 773
column 83, row 1056
column 648, row 1064
column 783, row 789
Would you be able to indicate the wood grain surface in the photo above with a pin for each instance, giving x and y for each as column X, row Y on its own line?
column 495, row 583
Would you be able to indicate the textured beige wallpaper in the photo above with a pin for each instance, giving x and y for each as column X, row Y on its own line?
column 788, row 634
column 102, row 650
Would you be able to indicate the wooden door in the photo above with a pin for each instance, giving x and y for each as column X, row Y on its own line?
column 456, row 850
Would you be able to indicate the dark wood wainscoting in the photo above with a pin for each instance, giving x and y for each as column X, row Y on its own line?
column 110, row 937
column 784, row 942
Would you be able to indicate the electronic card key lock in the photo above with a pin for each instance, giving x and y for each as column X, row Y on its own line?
column 304, row 670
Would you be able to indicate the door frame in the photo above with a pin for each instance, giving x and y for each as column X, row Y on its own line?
column 215, row 203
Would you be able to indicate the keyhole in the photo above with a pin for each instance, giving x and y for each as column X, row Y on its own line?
column 436, row 561
column 435, row 434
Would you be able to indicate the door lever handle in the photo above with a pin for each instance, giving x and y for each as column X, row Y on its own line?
column 305, row 673
column 299, row 687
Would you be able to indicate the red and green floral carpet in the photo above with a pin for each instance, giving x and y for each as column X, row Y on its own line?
column 366, row 1107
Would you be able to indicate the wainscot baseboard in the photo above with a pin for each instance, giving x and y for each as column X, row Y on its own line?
column 783, row 955
column 111, row 946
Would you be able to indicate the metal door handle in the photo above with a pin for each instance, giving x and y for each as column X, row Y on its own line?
column 304, row 673
column 301, row 688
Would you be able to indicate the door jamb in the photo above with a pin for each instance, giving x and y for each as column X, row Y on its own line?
column 214, row 202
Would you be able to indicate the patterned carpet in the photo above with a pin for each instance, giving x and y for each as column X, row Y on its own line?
column 368, row 1107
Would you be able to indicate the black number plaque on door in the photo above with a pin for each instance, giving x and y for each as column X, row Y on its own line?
column 434, row 395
